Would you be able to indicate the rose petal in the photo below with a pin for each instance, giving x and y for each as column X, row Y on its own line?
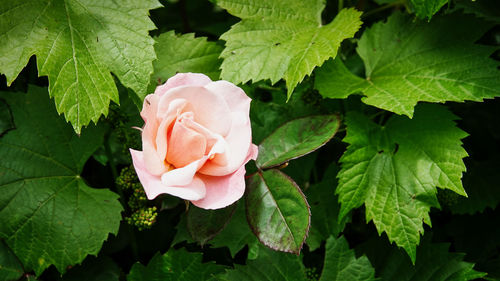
column 235, row 97
column 253, row 153
column 182, row 176
column 185, row 145
column 238, row 141
column 183, row 79
column 222, row 191
column 152, row 161
column 174, row 108
column 153, row 185
column 215, row 142
column 210, row 109
column 149, row 108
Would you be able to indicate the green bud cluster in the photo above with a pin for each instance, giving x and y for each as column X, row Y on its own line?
column 128, row 179
column 143, row 217
column 138, row 199
column 312, row 274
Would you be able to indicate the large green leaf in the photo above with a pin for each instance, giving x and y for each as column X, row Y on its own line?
column 10, row 268
column 281, row 39
column 394, row 170
column 178, row 265
column 6, row 122
column 408, row 62
column 324, row 209
column 48, row 214
column 237, row 234
column 77, row 44
column 203, row 225
column 270, row 265
column 341, row 263
column 277, row 211
column 185, row 53
column 434, row 262
column 427, row 8
column 296, row 138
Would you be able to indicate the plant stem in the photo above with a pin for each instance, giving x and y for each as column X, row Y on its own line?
column 382, row 8
column 341, row 5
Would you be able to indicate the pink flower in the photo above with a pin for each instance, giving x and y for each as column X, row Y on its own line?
column 196, row 141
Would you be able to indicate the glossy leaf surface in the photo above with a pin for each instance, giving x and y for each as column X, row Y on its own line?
column 277, row 211
column 296, row 138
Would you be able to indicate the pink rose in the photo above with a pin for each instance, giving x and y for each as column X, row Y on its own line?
column 196, row 141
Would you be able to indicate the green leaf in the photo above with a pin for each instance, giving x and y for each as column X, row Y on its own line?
column 434, row 262
column 268, row 115
column 281, row 39
column 324, row 209
column 333, row 80
column 341, row 263
column 6, row 122
column 203, row 225
column 237, row 234
column 277, row 211
column 94, row 269
column 487, row 9
column 77, row 44
column 297, row 138
column 408, row 62
column 185, row 53
column 394, row 170
column 427, row 8
column 178, row 265
column 270, row 265
column 10, row 268
column 49, row 215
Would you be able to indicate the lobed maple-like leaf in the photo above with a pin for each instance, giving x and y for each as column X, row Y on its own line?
column 281, row 39
column 48, row 213
column 427, row 8
column 408, row 62
column 178, row 265
column 270, row 265
column 394, row 170
column 77, row 44
column 342, row 264
column 185, row 53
